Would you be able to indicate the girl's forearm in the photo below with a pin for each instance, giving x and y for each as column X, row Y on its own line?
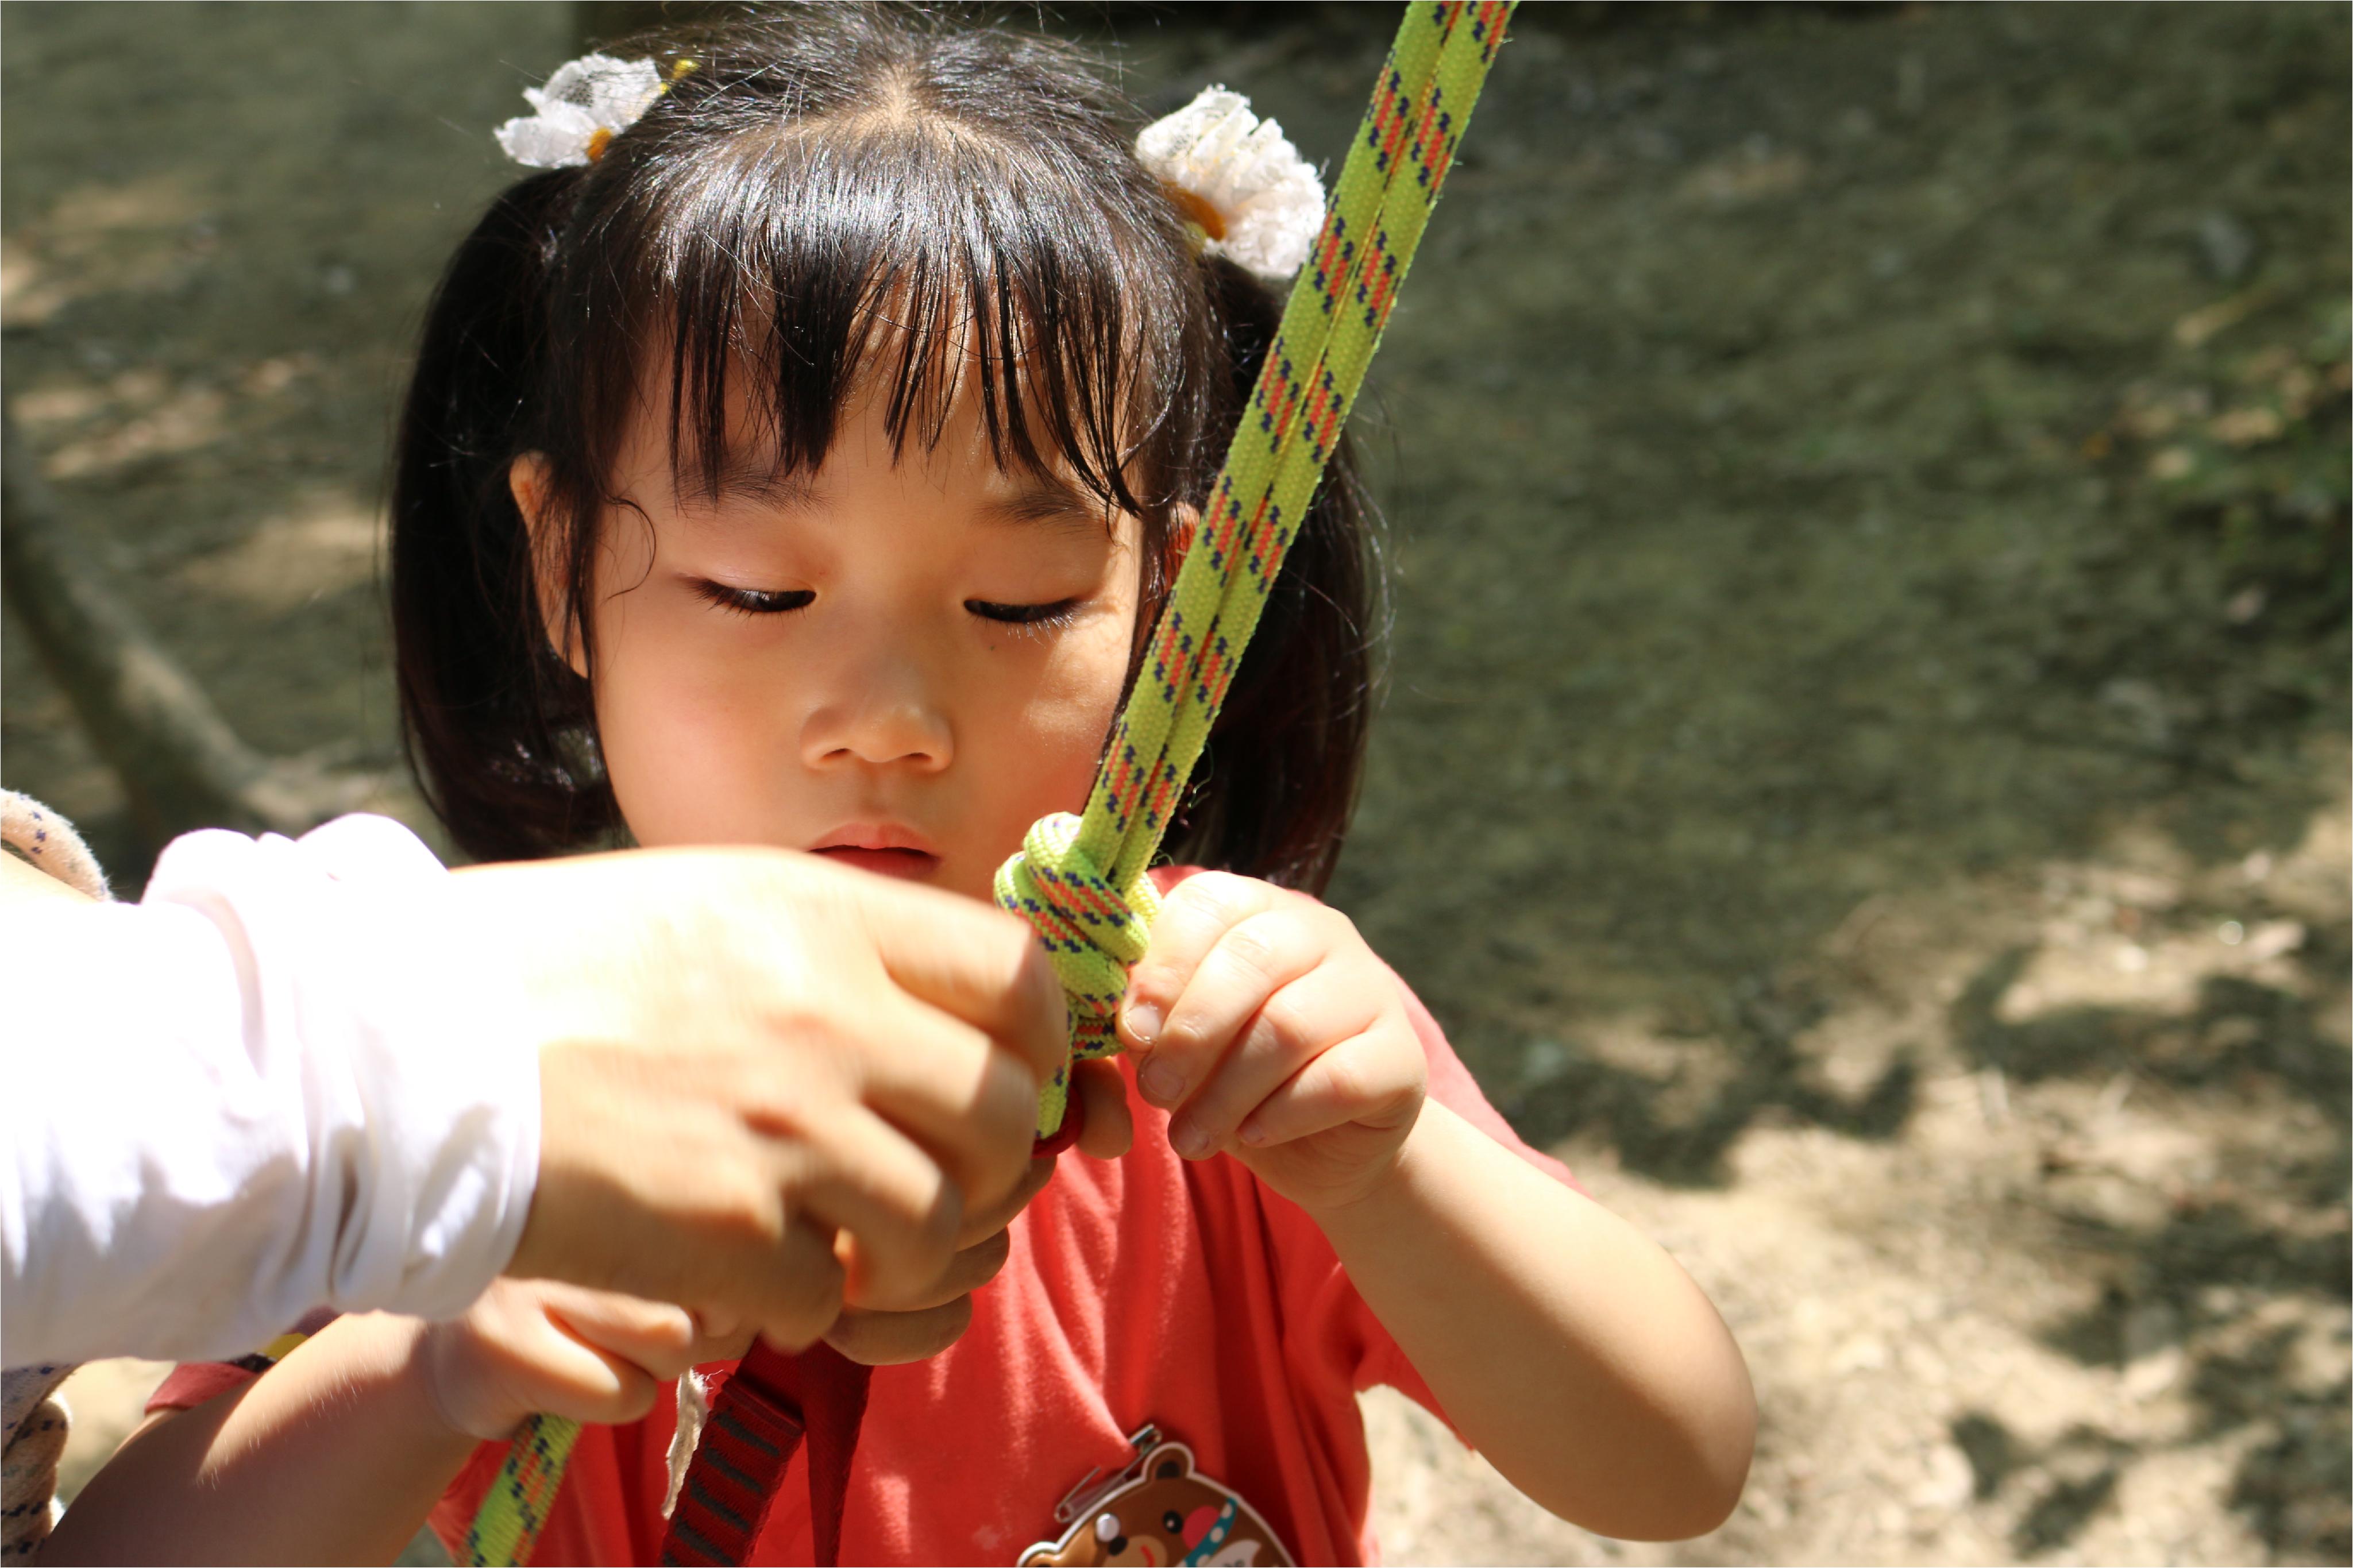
column 337, row 1455
column 1570, row 1349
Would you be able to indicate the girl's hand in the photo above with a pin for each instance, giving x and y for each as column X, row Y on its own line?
column 530, row 1346
column 1270, row 1031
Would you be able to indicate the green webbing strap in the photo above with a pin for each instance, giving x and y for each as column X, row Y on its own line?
column 1080, row 880
column 1095, row 923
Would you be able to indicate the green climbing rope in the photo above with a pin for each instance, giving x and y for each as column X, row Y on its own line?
column 507, row 1526
column 1080, row 880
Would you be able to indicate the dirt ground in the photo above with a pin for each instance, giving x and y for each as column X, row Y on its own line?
column 1864, row 770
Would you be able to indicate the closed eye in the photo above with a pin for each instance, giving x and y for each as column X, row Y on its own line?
column 1044, row 616
column 756, row 601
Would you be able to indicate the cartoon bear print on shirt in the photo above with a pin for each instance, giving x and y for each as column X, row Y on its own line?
column 1160, row 1513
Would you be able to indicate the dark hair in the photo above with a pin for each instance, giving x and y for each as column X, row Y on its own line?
column 814, row 174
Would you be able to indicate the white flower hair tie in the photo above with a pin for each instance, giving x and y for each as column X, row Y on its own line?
column 1240, row 179
column 587, row 103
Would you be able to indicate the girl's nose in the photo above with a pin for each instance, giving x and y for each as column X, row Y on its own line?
column 882, row 722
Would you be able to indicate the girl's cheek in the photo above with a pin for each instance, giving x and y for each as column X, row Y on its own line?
column 690, row 734
column 1076, row 719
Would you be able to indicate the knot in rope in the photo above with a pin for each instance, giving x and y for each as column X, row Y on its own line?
column 1093, row 931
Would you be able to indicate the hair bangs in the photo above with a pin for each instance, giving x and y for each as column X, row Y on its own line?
column 903, row 258
column 828, row 204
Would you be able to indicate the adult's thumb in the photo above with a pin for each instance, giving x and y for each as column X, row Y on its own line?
column 971, row 962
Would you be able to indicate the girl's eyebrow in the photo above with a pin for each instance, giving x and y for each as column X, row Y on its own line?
column 1057, row 506
column 752, row 478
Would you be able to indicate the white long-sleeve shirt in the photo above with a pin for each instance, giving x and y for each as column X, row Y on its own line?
column 285, row 1079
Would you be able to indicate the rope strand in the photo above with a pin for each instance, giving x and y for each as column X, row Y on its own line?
column 1081, row 880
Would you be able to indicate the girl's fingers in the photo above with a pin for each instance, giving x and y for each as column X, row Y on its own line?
column 1290, row 1029
column 658, row 1339
column 574, row 1377
column 1248, row 963
column 1364, row 1080
column 1202, row 910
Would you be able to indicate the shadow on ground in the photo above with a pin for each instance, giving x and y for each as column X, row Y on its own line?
column 1849, row 471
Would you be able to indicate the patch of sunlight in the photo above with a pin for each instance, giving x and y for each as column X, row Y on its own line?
column 100, row 238
column 174, row 420
column 325, row 546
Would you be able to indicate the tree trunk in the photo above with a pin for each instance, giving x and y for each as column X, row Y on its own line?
column 181, row 765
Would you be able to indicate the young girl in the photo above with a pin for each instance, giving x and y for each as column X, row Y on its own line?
column 805, row 467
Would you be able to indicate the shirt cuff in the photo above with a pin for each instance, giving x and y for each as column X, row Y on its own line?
column 421, row 1087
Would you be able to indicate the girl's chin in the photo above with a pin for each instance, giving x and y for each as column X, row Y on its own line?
column 909, row 865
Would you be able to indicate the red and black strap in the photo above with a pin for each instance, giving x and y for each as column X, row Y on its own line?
column 765, row 1408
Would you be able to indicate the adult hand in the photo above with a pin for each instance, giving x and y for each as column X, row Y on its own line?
column 927, row 1325
column 770, row 1086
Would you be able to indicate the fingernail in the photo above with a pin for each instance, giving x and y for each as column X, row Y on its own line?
column 1144, row 1022
column 1188, row 1139
column 1162, row 1082
column 1253, row 1134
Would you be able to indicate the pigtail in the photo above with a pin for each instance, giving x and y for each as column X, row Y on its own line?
column 495, row 723
column 1277, row 783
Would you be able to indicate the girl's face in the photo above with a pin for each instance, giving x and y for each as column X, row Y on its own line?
column 898, row 665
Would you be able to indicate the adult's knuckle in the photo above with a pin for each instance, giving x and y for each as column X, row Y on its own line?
column 807, row 1284
column 806, row 1316
column 743, row 1205
column 1005, row 1103
column 1003, row 946
column 938, row 1221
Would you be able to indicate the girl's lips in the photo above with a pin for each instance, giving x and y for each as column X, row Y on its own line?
column 915, row 864
column 885, row 848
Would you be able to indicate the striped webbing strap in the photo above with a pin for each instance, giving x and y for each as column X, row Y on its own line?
column 1081, row 880
column 771, row 1406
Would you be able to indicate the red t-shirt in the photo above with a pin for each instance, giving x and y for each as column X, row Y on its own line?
column 1143, row 1289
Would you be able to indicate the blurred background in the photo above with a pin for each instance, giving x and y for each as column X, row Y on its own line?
column 1863, row 771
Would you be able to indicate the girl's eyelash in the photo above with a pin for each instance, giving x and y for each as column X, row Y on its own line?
column 756, row 601
column 1028, row 618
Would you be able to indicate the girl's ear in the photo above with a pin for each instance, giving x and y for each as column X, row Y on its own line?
column 528, row 482
column 1182, row 522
